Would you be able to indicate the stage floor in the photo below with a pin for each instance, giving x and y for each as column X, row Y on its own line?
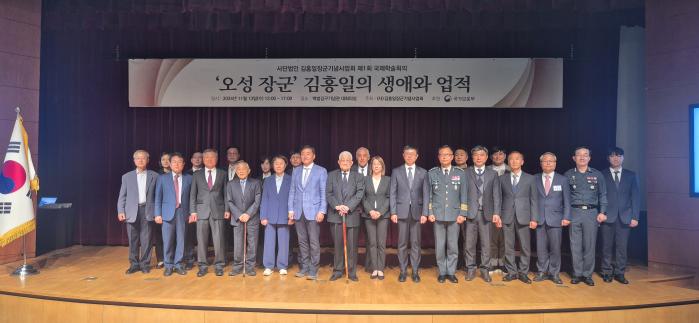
column 95, row 275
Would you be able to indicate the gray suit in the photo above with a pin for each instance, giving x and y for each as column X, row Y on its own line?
column 139, row 217
column 376, row 200
column 447, row 200
column 407, row 202
column 554, row 207
column 350, row 194
column 240, row 203
column 520, row 206
column 482, row 205
column 624, row 205
column 209, row 205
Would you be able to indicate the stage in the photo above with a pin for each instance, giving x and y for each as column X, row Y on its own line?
column 88, row 284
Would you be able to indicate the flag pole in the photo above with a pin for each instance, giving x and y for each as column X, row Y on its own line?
column 25, row 269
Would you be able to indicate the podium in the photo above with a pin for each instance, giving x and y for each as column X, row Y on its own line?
column 54, row 227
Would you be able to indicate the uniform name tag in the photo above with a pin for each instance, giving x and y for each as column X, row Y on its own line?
column 456, row 178
column 557, row 188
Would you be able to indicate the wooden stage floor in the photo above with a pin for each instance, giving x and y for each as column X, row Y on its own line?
column 88, row 284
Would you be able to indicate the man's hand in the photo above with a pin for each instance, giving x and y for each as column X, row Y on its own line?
column 565, row 222
column 192, row 218
column 423, row 219
column 532, row 225
column 497, row 220
column 264, row 222
column 460, row 219
column 291, row 215
column 374, row 214
column 226, row 215
column 244, row 217
column 158, row 219
column 394, row 218
column 432, row 218
column 634, row 223
column 121, row 217
column 601, row 217
column 290, row 222
column 319, row 217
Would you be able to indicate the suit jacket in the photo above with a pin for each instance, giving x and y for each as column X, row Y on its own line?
column 349, row 194
column 492, row 194
column 208, row 203
column 555, row 207
column 309, row 199
column 406, row 201
column 165, row 199
column 274, row 206
column 623, row 202
column 523, row 204
column 247, row 202
column 127, row 202
column 377, row 200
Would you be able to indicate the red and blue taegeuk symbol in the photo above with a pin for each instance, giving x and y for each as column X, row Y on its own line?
column 12, row 178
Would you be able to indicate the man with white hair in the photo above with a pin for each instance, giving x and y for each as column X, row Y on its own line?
column 344, row 193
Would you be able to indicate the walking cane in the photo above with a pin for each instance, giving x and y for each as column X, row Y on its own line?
column 245, row 246
column 344, row 244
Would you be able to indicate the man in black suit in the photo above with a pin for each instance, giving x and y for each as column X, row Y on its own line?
column 624, row 203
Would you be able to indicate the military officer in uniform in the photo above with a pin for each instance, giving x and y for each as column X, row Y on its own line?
column 588, row 199
column 447, row 210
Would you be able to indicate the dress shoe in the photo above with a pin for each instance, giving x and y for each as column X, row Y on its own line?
column 621, row 279
column 167, row 272
column 556, row 279
column 145, row 269
column 416, row 277
column 540, row 277
column 300, row 274
column 180, row 271
column 588, row 281
column 335, row 276
column 234, row 273
column 219, row 271
column 132, row 270
column 374, row 275
column 575, row 280
column 380, row 276
column 160, row 265
column 311, row 277
column 508, row 278
column 441, row 279
column 251, row 273
column 353, row 278
column 189, row 266
column 471, row 274
column 202, row 271
column 452, row 279
column 486, row 276
column 267, row 272
column 402, row 276
column 607, row 278
column 525, row 279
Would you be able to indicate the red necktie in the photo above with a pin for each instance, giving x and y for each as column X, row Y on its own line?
column 177, row 191
column 210, row 181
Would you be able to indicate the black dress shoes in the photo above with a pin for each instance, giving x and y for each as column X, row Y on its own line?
column 416, row 277
column 471, row 274
column 180, row 271
column 335, row 276
column 556, row 279
column 508, row 278
column 354, row 278
column 575, row 280
column 132, row 270
column 145, row 269
column 402, row 276
column 189, row 266
column 441, row 279
column 486, row 276
column 167, row 272
column 234, row 273
column 588, row 281
column 219, row 271
column 540, row 277
column 621, row 279
column 607, row 278
column 525, row 279
column 202, row 272
column 452, row 279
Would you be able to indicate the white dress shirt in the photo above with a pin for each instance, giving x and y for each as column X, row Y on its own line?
column 278, row 180
column 362, row 170
column 141, row 179
column 543, row 179
column 179, row 185
column 213, row 175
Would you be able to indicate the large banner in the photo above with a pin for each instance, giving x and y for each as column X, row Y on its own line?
column 421, row 82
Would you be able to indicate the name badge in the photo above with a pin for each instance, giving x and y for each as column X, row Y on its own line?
column 557, row 188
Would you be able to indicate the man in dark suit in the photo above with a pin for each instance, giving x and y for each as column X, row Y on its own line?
column 135, row 206
column 208, row 208
column 344, row 192
column 172, row 211
column 519, row 215
column 196, row 161
column 190, row 243
column 553, row 214
column 484, row 198
column 362, row 155
column 409, row 190
column 624, row 203
column 243, row 195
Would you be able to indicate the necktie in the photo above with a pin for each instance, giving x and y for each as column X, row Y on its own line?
column 177, row 191
column 344, row 177
column 306, row 170
column 515, row 181
column 410, row 177
column 547, row 184
column 242, row 186
column 210, row 181
column 446, row 172
column 479, row 183
column 616, row 178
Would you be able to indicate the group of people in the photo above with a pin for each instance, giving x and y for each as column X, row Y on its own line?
column 497, row 205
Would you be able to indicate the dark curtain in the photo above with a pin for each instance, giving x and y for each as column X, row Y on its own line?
column 88, row 133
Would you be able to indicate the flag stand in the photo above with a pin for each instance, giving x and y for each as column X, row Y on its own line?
column 25, row 269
